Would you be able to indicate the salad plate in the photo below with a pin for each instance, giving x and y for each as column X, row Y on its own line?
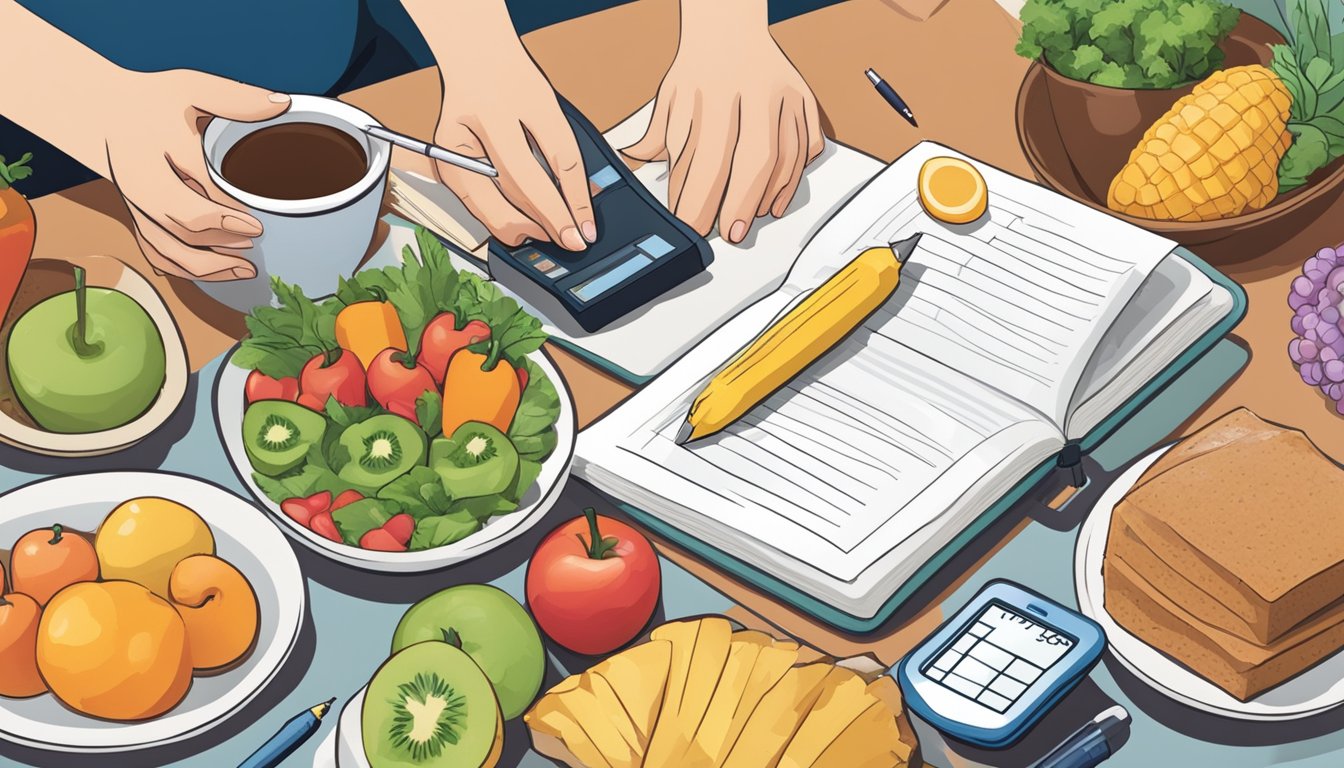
column 425, row 454
column 241, row 537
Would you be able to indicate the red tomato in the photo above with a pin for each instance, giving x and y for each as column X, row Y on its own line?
column 441, row 338
column 259, row 386
column 397, row 381
column 593, row 584
column 342, row 378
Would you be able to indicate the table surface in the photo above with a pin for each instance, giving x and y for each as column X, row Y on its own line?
column 965, row 94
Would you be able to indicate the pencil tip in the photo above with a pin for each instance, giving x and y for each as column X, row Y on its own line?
column 684, row 434
column 914, row 122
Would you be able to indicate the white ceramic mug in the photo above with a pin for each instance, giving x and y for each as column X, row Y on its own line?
column 308, row 243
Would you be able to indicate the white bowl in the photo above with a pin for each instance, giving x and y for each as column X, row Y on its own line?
column 1313, row 691
column 497, row 531
column 308, row 243
column 107, row 272
column 242, row 537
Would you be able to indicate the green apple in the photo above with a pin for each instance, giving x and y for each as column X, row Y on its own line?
column 492, row 628
column 86, row 360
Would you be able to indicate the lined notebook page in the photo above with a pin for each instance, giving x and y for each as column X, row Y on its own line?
column 821, row 466
column 1019, row 299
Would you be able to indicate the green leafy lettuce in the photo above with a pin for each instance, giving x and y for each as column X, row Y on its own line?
column 1127, row 43
column 284, row 337
column 1311, row 66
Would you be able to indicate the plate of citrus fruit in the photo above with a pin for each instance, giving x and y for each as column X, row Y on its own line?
column 139, row 609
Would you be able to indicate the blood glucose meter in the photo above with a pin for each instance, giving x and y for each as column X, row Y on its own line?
column 991, row 672
column 642, row 250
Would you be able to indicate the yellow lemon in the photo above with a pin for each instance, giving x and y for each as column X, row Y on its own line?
column 144, row 539
column 952, row 190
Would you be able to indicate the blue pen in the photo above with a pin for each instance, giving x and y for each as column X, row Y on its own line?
column 893, row 98
column 290, row 736
column 1091, row 744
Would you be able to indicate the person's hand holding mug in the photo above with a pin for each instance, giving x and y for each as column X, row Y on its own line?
column 186, row 226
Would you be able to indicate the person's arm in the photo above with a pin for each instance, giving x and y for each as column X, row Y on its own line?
column 494, row 98
column 734, row 119
column 142, row 131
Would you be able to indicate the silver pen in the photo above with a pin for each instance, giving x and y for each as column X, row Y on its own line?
column 432, row 150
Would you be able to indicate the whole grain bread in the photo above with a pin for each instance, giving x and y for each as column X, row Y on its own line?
column 1243, row 669
column 1257, row 523
column 1177, row 586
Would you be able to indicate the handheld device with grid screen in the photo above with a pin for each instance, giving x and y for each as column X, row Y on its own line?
column 992, row 671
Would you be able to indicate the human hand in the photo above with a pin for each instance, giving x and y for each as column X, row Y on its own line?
column 737, row 125
column 186, row 225
column 494, row 116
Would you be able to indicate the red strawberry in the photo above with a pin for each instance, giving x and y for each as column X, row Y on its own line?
column 324, row 526
column 401, row 527
column 522, row 379
column 346, row 497
column 301, row 510
column 380, row 540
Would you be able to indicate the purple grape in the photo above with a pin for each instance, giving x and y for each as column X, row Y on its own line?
column 1316, row 298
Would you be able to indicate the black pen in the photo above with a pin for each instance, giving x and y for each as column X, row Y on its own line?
column 893, row 98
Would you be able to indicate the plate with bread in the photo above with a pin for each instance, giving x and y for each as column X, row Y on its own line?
column 1216, row 567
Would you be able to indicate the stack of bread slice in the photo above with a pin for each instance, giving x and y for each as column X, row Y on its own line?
column 700, row 694
column 1228, row 555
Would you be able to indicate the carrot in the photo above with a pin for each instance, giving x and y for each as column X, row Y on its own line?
column 481, row 388
column 368, row 327
column 18, row 230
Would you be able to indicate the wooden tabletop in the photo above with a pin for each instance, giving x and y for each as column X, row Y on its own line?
column 959, row 73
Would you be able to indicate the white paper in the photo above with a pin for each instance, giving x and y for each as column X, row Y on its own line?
column 1018, row 299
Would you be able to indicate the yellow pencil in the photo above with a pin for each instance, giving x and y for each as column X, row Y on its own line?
column 808, row 331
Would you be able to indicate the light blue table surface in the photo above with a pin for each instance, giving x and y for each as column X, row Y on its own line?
column 352, row 613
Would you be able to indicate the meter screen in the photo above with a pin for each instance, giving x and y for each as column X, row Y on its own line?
column 998, row 656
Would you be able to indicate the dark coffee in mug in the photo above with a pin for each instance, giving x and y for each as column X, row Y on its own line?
column 295, row 161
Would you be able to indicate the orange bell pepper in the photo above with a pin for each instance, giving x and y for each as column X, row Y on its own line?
column 368, row 327
column 481, row 388
column 18, row 230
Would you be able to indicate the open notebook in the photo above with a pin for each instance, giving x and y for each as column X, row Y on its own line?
column 646, row 341
column 1005, row 339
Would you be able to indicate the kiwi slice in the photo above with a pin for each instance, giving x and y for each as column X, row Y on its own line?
column 478, row 460
column 382, row 449
column 430, row 706
column 277, row 434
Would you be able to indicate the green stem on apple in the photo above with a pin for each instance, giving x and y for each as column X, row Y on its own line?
column 56, row 532
column 601, row 548
column 81, row 339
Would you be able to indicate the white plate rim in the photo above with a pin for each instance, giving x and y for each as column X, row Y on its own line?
column 249, row 530
column 499, row 531
column 1150, row 665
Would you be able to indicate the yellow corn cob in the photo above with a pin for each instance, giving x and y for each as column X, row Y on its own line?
column 1214, row 154
column 807, row 332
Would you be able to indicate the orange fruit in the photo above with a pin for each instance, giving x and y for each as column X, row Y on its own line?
column 47, row 560
column 218, row 607
column 114, row 650
column 18, row 646
column 143, row 539
column 952, row 190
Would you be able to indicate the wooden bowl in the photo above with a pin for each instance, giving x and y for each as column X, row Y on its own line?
column 103, row 272
column 1223, row 240
column 1099, row 126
